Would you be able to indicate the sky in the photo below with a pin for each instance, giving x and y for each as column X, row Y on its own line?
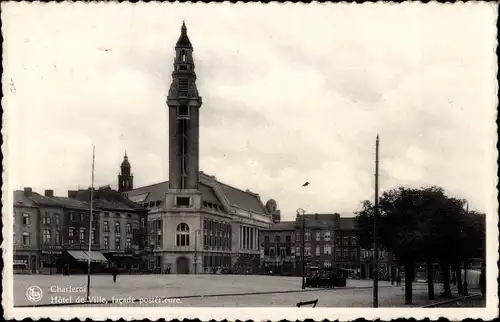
column 291, row 93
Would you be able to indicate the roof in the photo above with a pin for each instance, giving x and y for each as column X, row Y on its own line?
column 183, row 40
column 44, row 201
column 347, row 223
column 242, row 199
column 72, row 203
column 280, row 226
column 20, row 199
column 154, row 194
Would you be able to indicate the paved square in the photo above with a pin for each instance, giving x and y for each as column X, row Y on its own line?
column 207, row 290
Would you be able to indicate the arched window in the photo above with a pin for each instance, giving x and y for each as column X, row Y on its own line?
column 182, row 234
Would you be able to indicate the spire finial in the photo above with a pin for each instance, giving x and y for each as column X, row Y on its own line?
column 125, row 153
column 183, row 28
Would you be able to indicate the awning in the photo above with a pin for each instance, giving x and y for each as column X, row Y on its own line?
column 79, row 255
column 96, row 256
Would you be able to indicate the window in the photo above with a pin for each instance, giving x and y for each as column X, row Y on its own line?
column 129, row 228
column 266, row 239
column 327, row 263
column 338, row 254
column 118, row 241
column 327, row 250
column 297, row 251
column 82, row 235
column 26, row 219
column 182, row 234
column 183, row 201
column 278, row 239
column 288, row 239
column 272, row 252
column 58, row 237
column 93, row 236
column 307, row 251
column 318, row 251
column 337, row 241
column 353, row 240
column 46, row 219
column 71, row 216
column 297, row 236
column 71, row 235
column 46, row 236
column 117, row 227
column 318, row 236
column 327, row 235
column 346, row 240
column 307, row 236
column 354, row 254
column 183, row 56
column 106, row 214
column 105, row 226
column 106, row 242
column 57, row 219
column 26, row 239
column 128, row 243
column 183, row 110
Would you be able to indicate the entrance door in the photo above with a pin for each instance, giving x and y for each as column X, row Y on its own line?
column 182, row 265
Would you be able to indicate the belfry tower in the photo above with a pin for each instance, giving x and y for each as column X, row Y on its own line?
column 125, row 178
column 183, row 103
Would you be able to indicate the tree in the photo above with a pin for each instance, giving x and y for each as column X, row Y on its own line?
column 398, row 229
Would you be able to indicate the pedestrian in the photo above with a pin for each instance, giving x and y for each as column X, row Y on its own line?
column 114, row 272
column 398, row 279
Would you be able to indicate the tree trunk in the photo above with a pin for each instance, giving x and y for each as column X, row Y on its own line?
column 458, row 274
column 408, row 283
column 430, row 281
column 466, row 266
column 445, row 268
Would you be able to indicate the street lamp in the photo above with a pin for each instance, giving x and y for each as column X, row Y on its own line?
column 196, row 232
column 466, row 262
column 302, row 212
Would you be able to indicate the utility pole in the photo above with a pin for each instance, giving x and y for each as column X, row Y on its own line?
column 302, row 212
column 90, row 224
column 375, row 234
column 303, row 252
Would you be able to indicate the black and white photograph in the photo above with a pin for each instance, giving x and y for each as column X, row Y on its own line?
column 249, row 161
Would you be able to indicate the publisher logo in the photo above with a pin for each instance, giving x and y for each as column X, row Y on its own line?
column 34, row 294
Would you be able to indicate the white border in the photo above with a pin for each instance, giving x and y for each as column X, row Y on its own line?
column 259, row 313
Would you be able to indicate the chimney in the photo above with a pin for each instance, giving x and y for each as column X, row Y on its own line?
column 28, row 191
column 72, row 194
column 49, row 193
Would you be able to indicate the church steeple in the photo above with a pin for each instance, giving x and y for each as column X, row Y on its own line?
column 125, row 178
column 184, row 102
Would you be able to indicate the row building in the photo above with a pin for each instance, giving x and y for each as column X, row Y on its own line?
column 51, row 232
column 330, row 241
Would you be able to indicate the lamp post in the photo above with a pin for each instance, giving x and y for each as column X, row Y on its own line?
column 375, row 232
column 466, row 262
column 196, row 232
column 302, row 212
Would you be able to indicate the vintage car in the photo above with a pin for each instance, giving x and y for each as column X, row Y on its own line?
column 324, row 277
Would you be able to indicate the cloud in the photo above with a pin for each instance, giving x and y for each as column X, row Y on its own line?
column 297, row 95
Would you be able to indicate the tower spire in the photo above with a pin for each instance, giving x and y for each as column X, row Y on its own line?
column 184, row 102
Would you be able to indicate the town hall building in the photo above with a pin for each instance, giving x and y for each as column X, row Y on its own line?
column 196, row 224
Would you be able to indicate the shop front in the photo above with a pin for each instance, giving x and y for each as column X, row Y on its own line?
column 124, row 262
column 25, row 263
column 51, row 262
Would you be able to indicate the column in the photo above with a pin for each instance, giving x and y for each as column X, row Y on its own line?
column 241, row 238
column 246, row 237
